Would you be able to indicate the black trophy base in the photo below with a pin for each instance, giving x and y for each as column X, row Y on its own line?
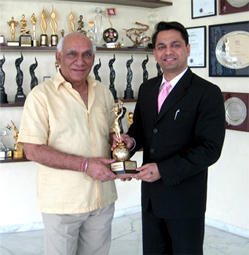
column 20, row 98
column 114, row 93
column 44, row 40
column 124, row 168
column 54, row 40
column 128, row 94
column 3, row 98
column 25, row 40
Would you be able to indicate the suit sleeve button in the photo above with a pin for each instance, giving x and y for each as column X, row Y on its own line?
column 155, row 130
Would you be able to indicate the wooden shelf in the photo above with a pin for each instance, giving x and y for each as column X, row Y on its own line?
column 13, row 160
column 137, row 3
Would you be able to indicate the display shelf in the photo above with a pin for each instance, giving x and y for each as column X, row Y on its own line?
column 14, row 160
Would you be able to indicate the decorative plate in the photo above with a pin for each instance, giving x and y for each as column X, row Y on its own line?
column 238, row 3
column 232, row 50
column 110, row 35
column 236, row 111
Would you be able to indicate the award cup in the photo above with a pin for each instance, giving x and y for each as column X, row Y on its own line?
column 20, row 97
column 53, row 26
column 43, row 25
column 123, row 167
column 25, row 39
column 18, row 149
column 3, row 95
column 13, row 24
column 4, row 151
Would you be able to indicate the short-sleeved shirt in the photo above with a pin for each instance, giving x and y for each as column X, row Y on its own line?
column 54, row 114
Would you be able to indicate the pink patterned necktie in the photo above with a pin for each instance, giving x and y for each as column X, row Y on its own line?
column 163, row 94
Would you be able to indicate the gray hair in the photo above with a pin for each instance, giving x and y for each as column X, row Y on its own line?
column 60, row 43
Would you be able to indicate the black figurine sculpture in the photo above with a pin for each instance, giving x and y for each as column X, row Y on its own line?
column 34, row 80
column 112, row 77
column 3, row 95
column 159, row 71
column 128, row 94
column 20, row 97
column 95, row 71
column 145, row 72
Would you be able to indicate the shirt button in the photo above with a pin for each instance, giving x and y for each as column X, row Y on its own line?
column 152, row 150
column 155, row 130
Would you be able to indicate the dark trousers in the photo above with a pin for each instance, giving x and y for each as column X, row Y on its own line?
column 172, row 236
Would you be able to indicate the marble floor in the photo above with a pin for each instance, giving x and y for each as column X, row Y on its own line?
column 126, row 240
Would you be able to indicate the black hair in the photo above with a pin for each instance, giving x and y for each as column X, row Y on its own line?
column 162, row 26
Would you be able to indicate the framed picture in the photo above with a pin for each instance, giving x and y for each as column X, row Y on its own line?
column 197, row 41
column 236, row 110
column 228, row 50
column 233, row 6
column 203, row 8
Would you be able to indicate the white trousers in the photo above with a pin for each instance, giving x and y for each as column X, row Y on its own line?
column 79, row 234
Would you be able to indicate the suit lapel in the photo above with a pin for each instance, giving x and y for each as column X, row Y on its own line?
column 179, row 91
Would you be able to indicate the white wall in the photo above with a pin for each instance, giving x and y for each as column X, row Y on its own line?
column 228, row 189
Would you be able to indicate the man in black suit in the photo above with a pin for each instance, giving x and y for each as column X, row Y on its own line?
column 179, row 143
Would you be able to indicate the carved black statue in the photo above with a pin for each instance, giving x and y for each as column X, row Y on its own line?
column 129, row 92
column 20, row 97
column 34, row 80
column 159, row 71
column 145, row 72
column 3, row 96
column 112, row 77
column 95, row 71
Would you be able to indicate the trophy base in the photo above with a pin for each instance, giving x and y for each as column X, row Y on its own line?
column 13, row 43
column 114, row 92
column 5, row 154
column 54, row 40
column 128, row 94
column 3, row 98
column 20, row 98
column 25, row 40
column 124, row 168
column 43, row 40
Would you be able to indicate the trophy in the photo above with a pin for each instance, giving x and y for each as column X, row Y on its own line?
column 110, row 35
column 2, row 39
column 34, row 80
column 81, row 25
column 112, row 77
column 130, row 118
column 90, row 33
column 3, row 95
column 33, row 20
column 123, row 166
column 20, row 97
column 98, row 27
column 4, row 151
column 43, row 25
column 18, row 149
column 145, row 72
column 71, row 25
column 25, row 39
column 159, row 71
column 128, row 93
column 95, row 71
column 53, row 26
column 13, row 24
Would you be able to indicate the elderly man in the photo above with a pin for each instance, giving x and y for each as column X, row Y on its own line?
column 65, row 128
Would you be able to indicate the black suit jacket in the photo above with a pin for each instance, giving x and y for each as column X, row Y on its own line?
column 183, row 139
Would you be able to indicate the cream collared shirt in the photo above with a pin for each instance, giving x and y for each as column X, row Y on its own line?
column 54, row 114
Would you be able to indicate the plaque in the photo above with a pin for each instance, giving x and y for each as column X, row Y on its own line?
column 43, row 25
column 123, row 166
column 3, row 95
column 232, row 50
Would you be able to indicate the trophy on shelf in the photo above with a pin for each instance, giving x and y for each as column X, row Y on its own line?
column 112, row 77
column 33, row 20
column 137, row 35
column 90, row 32
column 159, row 71
column 43, row 25
column 110, row 35
column 13, row 24
column 95, row 71
column 4, row 151
column 98, row 27
column 71, row 25
column 18, row 149
column 20, row 97
column 34, row 80
column 145, row 72
column 130, row 118
column 25, row 39
column 128, row 93
column 81, row 25
column 123, row 166
column 54, row 26
column 2, row 39
column 3, row 95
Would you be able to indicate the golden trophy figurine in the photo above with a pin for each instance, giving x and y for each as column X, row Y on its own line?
column 33, row 20
column 13, row 24
column 53, row 26
column 18, row 149
column 23, row 23
column 43, row 25
column 123, row 166
column 129, row 118
column 71, row 25
column 25, row 39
